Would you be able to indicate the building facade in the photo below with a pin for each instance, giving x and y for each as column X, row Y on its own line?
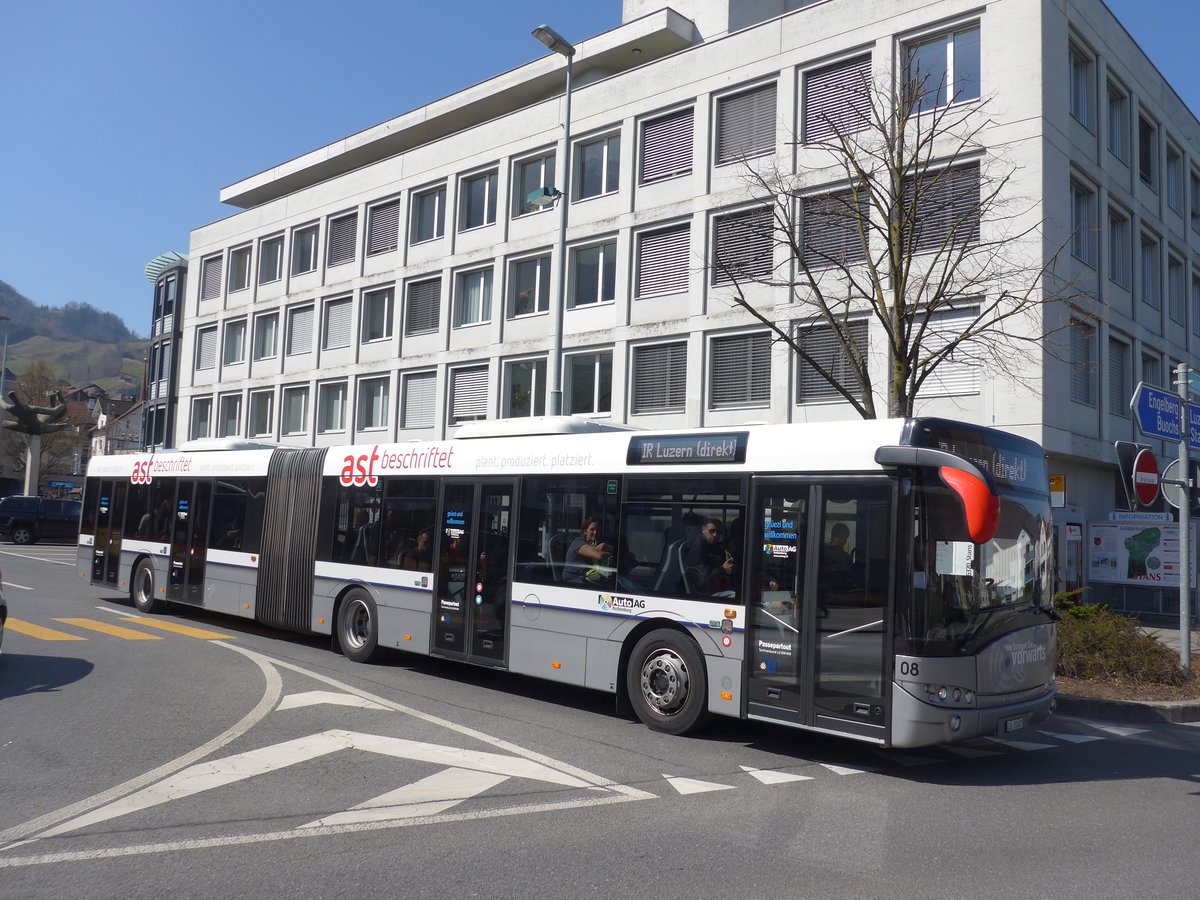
column 399, row 283
column 160, row 393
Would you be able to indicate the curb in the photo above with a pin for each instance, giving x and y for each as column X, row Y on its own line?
column 1174, row 711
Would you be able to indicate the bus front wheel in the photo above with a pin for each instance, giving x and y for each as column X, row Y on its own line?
column 142, row 588
column 358, row 627
column 666, row 682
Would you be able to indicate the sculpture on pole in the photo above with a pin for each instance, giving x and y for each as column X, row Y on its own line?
column 34, row 421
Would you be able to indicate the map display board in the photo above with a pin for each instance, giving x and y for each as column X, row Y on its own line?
column 1142, row 553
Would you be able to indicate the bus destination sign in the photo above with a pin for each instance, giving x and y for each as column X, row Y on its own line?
column 675, row 449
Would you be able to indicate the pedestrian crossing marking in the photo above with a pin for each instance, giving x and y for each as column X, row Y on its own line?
column 41, row 632
column 127, row 634
column 177, row 628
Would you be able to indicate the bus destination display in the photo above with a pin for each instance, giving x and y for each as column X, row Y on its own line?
column 657, row 450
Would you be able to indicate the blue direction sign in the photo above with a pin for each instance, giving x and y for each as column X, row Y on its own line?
column 1161, row 414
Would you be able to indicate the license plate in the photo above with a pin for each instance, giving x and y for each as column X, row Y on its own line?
column 1014, row 725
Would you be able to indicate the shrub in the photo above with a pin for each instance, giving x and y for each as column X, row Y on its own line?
column 1096, row 643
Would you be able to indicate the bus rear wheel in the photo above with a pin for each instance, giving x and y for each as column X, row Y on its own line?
column 666, row 682
column 141, row 588
column 358, row 627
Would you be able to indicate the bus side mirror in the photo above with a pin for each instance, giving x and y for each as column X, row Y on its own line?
column 980, row 505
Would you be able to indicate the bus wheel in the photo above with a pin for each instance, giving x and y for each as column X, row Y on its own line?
column 666, row 682
column 358, row 627
column 142, row 588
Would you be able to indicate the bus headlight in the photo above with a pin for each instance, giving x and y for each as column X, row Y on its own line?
column 949, row 695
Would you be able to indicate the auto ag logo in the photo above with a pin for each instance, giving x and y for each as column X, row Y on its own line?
column 359, row 469
column 141, row 472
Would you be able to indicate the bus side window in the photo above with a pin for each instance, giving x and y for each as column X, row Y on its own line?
column 552, row 516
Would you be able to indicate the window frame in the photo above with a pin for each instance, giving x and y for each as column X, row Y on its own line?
column 287, row 398
column 606, row 273
column 200, row 427
column 324, row 390
column 746, row 370
column 265, row 257
column 1082, row 85
column 946, row 92
column 598, row 383
column 306, row 248
column 1083, row 222
column 379, row 404
column 240, row 259
column 542, row 262
column 1120, row 247
column 256, row 397
column 678, row 129
column 233, row 342
column 376, row 240
column 436, row 194
column 225, row 400
column 259, row 322
column 482, row 315
column 1083, row 365
column 341, row 239
column 610, row 166
column 520, row 203
column 537, row 369
column 674, row 393
column 1117, row 107
column 370, row 301
column 466, row 210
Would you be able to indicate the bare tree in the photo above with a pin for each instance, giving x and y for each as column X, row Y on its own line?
column 901, row 217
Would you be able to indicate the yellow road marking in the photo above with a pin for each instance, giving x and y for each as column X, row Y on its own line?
column 115, row 630
column 183, row 629
column 40, row 632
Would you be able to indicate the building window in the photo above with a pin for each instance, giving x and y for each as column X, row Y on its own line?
column 1196, row 304
column 837, row 100
column 429, row 215
column 1119, row 389
column 594, row 274
column 598, row 167
column 239, row 269
column 1194, row 206
column 667, row 146
column 260, row 422
column 835, row 229
column 229, row 418
column 234, row 350
column 377, row 312
column 528, row 286
column 1174, row 179
column 525, row 389
column 206, row 348
column 1083, row 80
column 270, row 260
column 420, row 395
column 343, row 239
column 1176, row 289
column 201, row 425
column 958, row 371
column 662, row 261
column 944, row 69
column 304, row 249
column 266, row 336
column 423, row 306
column 740, row 372
column 338, row 324
column 1148, row 151
column 300, row 331
column 822, row 346
column 743, row 246
column 383, row 227
column 589, row 384
column 373, row 403
column 210, row 278
column 1083, row 362
column 1152, row 369
column 659, row 378
column 294, row 419
column 530, row 177
column 331, row 407
column 468, row 394
column 1120, row 248
column 746, row 124
column 473, row 298
column 1118, row 123
column 1083, row 223
column 1151, row 275
column 946, row 205
column 478, row 201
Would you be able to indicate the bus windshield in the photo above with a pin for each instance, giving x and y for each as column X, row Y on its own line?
column 966, row 594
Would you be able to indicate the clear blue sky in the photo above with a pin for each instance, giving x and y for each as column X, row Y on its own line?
column 121, row 120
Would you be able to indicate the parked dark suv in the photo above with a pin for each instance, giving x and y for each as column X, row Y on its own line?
column 27, row 519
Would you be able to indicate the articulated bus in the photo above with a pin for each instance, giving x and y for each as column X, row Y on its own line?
column 886, row 580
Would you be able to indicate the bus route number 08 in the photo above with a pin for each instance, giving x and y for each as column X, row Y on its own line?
column 910, row 668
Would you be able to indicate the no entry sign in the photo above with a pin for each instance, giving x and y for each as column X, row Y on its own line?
column 1145, row 478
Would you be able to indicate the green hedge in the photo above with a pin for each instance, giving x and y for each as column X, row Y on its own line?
column 1098, row 644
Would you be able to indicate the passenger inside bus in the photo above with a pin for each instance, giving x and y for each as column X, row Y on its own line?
column 708, row 566
column 586, row 556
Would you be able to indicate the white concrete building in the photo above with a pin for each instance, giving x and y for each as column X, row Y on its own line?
column 396, row 283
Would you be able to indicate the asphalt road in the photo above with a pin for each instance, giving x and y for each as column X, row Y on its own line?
column 189, row 755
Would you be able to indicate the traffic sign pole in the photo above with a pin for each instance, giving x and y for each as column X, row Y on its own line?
column 1183, row 381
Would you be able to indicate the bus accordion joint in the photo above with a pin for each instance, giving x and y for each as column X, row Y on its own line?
column 974, row 486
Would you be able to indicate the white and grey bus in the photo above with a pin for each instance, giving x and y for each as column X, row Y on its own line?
column 884, row 580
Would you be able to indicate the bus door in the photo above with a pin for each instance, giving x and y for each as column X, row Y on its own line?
column 189, row 541
column 473, row 552
column 819, row 611
column 106, row 549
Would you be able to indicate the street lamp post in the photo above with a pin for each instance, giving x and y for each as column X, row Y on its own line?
column 554, row 42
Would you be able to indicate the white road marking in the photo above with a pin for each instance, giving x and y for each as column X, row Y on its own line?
column 315, row 698
column 53, row 562
column 21, row 587
column 1122, row 730
column 846, row 770
column 1073, row 738
column 1021, row 745
column 694, row 785
column 774, row 776
column 426, row 797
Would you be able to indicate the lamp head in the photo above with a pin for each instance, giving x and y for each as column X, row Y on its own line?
column 553, row 41
column 543, row 197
